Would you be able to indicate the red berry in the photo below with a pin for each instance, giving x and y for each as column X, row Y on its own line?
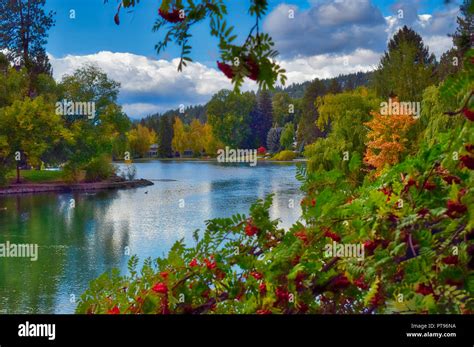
column 114, row 310
column 467, row 161
column 226, row 69
column 468, row 114
column 424, row 289
column 174, row 16
column 469, row 147
column 429, row 185
column 455, row 209
column 451, row 179
column 193, row 263
column 340, row 282
column 256, row 275
column 253, row 68
column 164, row 274
column 451, row 260
column 160, row 288
column 210, row 264
column 282, row 294
column 359, row 282
column 264, row 312
column 370, row 246
column 302, row 235
column 332, row 235
column 250, row 229
column 262, row 287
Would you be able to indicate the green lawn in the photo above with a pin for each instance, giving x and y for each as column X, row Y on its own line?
column 37, row 176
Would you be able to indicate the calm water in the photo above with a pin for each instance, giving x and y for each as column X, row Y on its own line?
column 78, row 244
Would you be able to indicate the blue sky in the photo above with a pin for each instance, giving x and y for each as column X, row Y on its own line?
column 326, row 38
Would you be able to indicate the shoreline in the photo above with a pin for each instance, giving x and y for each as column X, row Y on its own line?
column 271, row 161
column 62, row 187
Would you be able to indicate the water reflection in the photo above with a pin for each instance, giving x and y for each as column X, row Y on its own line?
column 82, row 235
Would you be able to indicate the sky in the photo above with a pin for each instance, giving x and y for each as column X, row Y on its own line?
column 325, row 38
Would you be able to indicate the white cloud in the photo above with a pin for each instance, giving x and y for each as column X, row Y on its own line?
column 149, row 85
column 302, row 69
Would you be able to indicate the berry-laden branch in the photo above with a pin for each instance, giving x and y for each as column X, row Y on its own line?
column 254, row 59
column 469, row 114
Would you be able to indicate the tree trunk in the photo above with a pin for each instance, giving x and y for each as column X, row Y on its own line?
column 17, row 172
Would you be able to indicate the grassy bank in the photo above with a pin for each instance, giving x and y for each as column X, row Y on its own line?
column 37, row 176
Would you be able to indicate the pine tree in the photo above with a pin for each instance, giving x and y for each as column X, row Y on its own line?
column 24, row 26
column 307, row 130
column 165, row 137
column 406, row 69
column 464, row 35
column 262, row 118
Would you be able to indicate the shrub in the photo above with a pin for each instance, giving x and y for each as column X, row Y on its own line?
column 284, row 156
column 99, row 168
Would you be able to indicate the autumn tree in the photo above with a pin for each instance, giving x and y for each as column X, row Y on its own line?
column 180, row 138
column 140, row 140
column 387, row 138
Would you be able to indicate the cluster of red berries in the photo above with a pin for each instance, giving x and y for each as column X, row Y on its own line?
column 250, row 229
column 332, row 235
column 424, row 289
column 250, row 65
column 469, row 114
column 467, row 160
column 176, row 15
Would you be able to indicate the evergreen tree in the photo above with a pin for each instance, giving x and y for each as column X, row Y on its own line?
column 262, row 118
column 165, row 131
column 307, row 130
column 464, row 35
column 24, row 26
column 406, row 69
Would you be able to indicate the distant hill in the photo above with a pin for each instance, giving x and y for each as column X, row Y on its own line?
column 349, row 81
column 295, row 90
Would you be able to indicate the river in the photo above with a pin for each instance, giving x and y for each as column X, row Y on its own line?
column 82, row 235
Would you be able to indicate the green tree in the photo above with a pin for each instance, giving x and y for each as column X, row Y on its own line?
column 284, row 109
column 165, row 137
column 307, row 131
column 406, row 69
column 27, row 129
column 342, row 116
column 24, row 26
column 261, row 118
column 229, row 114
column 287, row 136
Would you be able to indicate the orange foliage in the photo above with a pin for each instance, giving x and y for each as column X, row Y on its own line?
column 387, row 138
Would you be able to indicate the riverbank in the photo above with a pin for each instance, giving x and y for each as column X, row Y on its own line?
column 260, row 160
column 63, row 187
